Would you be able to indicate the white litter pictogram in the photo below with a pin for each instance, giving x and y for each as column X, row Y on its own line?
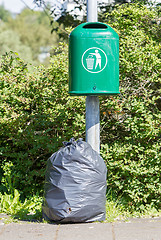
column 90, row 62
column 94, row 60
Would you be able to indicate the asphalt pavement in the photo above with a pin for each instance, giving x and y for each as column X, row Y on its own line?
column 134, row 229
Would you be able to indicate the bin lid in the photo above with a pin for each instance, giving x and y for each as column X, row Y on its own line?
column 94, row 30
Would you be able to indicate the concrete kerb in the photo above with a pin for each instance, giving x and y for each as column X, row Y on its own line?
column 134, row 229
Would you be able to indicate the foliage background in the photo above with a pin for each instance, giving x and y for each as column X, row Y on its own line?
column 28, row 33
column 37, row 114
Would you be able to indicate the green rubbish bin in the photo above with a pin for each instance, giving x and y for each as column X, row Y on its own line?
column 93, row 60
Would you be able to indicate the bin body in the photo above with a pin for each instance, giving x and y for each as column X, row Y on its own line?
column 93, row 60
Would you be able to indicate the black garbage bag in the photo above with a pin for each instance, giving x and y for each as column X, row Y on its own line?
column 75, row 184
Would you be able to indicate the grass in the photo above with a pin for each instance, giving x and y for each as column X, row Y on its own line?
column 118, row 211
column 30, row 209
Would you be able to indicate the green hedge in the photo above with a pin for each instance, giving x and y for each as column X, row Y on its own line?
column 131, row 122
column 37, row 114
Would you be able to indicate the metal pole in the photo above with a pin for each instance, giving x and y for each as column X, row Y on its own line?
column 92, row 11
column 92, row 102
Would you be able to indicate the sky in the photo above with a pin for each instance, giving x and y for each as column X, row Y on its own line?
column 15, row 6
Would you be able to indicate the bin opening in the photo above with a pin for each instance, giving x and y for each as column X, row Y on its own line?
column 95, row 25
